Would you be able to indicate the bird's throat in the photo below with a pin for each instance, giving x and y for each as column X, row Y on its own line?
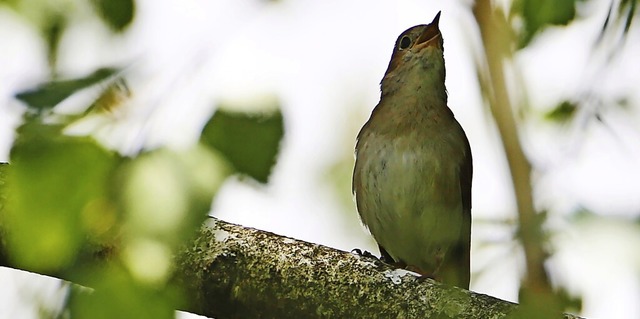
column 420, row 77
column 413, row 91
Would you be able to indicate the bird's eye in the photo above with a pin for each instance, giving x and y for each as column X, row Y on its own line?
column 405, row 42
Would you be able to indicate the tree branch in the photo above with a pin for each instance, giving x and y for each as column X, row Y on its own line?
column 497, row 45
column 230, row 271
column 237, row 272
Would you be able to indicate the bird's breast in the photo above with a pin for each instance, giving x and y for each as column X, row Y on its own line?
column 408, row 190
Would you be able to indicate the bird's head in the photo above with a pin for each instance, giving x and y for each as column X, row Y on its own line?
column 417, row 57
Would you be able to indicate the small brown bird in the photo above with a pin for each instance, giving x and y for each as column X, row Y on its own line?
column 412, row 177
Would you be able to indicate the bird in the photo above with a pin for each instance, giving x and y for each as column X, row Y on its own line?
column 413, row 169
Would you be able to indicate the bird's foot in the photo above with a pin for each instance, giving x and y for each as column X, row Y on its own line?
column 364, row 253
column 383, row 258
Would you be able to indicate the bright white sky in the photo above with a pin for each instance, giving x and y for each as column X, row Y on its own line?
column 323, row 61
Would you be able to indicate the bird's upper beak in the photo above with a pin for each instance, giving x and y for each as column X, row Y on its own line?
column 430, row 36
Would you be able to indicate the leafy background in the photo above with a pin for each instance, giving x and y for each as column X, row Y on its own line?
column 128, row 116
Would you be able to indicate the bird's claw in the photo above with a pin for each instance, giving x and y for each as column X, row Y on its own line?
column 364, row 253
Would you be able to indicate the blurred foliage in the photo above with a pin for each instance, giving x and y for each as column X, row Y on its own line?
column 51, row 17
column 537, row 305
column 52, row 182
column 4, row 171
column 118, row 14
column 625, row 14
column 249, row 141
column 52, row 32
column 51, row 93
column 66, row 199
column 113, row 97
column 69, row 198
column 538, row 14
column 563, row 112
column 527, row 19
column 118, row 295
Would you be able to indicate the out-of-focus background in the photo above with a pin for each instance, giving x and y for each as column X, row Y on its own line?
column 320, row 63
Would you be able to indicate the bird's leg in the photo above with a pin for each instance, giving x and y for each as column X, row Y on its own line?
column 385, row 257
column 362, row 253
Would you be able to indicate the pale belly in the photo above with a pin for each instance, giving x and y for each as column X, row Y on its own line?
column 410, row 199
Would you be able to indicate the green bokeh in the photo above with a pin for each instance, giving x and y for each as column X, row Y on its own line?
column 538, row 14
column 117, row 14
column 117, row 295
column 52, row 180
column 563, row 112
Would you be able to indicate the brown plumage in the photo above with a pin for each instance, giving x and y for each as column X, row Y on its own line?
column 412, row 177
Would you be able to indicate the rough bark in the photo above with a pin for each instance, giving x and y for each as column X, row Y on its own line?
column 237, row 272
column 230, row 271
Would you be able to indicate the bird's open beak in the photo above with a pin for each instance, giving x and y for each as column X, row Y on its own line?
column 431, row 35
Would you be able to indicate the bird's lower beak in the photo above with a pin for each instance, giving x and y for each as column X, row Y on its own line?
column 430, row 37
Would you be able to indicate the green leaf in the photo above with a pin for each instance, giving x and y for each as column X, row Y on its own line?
column 50, row 94
column 538, row 14
column 118, row 295
column 118, row 14
column 562, row 112
column 53, row 183
column 249, row 141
